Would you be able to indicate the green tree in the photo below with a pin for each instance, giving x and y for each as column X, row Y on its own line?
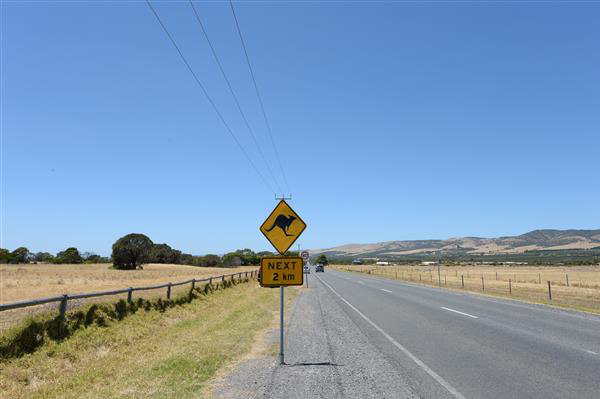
column 20, row 255
column 241, row 257
column 43, row 257
column 162, row 253
column 130, row 251
column 322, row 259
column 93, row 258
column 211, row 260
column 69, row 255
column 232, row 259
column 5, row 256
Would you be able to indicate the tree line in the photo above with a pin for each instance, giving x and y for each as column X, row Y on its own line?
column 69, row 255
column 133, row 250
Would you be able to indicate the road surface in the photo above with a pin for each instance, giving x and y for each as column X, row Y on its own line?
column 355, row 336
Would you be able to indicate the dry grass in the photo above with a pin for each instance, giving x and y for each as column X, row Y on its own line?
column 529, row 283
column 23, row 282
column 172, row 354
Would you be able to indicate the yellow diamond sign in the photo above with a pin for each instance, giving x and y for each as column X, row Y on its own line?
column 282, row 227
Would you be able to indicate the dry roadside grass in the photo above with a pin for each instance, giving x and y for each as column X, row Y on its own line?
column 528, row 283
column 23, row 282
column 149, row 354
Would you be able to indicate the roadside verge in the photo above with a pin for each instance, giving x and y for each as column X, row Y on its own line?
column 148, row 354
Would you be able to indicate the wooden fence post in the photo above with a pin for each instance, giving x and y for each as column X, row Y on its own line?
column 223, row 279
column 567, row 279
column 420, row 277
column 539, row 278
column 482, row 284
column 496, row 276
column 193, row 283
column 509, row 287
column 462, row 277
column 210, row 281
column 129, row 294
column 63, row 311
column 169, row 291
column 549, row 291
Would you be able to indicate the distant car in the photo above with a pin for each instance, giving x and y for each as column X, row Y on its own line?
column 319, row 268
column 306, row 270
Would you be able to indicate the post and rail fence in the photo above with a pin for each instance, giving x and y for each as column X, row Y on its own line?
column 65, row 298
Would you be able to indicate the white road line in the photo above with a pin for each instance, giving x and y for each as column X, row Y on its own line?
column 360, row 282
column 415, row 359
column 592, row 352
column 504, row 301
column 383, row 289
column 462, row 313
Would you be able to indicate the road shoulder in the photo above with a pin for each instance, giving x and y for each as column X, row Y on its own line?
column 327, row 356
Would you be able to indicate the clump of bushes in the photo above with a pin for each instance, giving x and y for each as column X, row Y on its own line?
column 31, row 334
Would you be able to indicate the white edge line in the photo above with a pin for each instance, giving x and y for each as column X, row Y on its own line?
column 456, row 311
column 415, row 359
column 592, row 352
column 502, row 301
column 383, row 289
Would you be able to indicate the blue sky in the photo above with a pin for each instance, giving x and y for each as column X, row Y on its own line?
column 394, row 120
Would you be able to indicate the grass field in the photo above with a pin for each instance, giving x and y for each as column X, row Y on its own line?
column 23, row 282
column 576, row 287
column 172, row 354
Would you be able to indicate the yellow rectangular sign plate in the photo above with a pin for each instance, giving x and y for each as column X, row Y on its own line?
column 277, row 271
column 282, row 227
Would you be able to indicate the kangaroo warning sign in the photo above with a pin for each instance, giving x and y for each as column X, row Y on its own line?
column 282, row 227
column 278, row 271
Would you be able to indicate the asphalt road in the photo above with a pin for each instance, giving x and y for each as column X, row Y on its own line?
column 356, row 336
column 468, row 345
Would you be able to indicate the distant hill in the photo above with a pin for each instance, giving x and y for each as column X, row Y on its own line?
column 532, row 241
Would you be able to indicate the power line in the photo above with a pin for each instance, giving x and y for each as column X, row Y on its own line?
column 210, row 100
column 235, row 98
column 260, row 101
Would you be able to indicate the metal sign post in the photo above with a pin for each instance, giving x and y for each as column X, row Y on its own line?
column 282, row 227
column 305, row 257
column 281, row 344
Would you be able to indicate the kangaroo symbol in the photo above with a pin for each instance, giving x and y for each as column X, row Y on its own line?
column 284, row 223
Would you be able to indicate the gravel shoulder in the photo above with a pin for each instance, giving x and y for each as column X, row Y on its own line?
column 327, row 356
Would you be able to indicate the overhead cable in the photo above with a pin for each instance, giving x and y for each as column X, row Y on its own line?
column 210, row 100
column 235, row 98
column 260, row 101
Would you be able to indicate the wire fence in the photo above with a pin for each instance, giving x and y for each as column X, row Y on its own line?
column 70, row 301
column 552, row 287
